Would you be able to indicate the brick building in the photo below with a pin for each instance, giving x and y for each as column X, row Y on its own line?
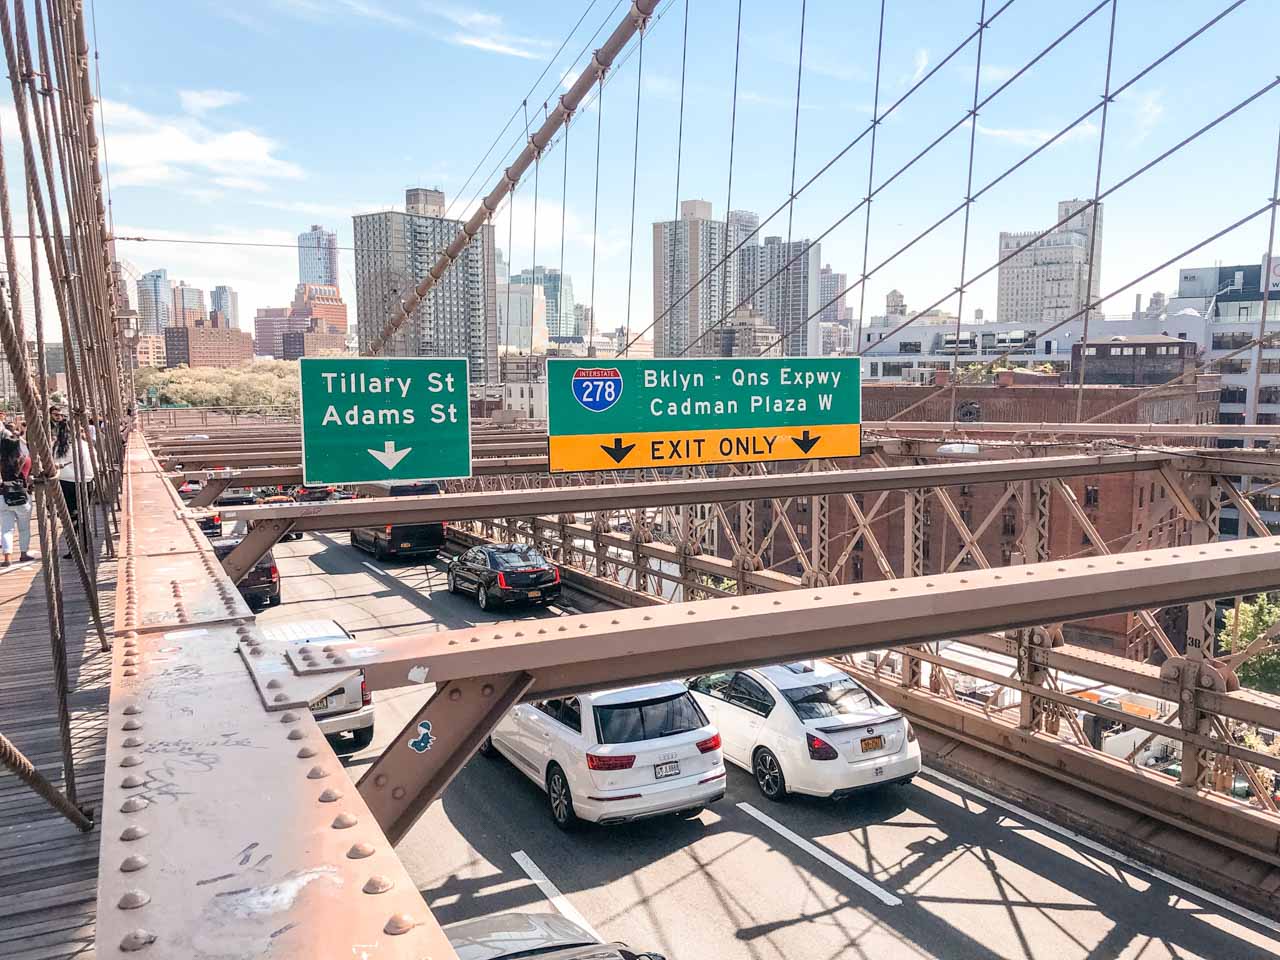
column 1133, row 361
column 300, row 343
column 206, row 347
column 148, row 351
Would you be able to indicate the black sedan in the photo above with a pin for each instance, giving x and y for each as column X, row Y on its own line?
column 503, row 573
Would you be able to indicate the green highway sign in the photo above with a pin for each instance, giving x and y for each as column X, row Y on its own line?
column 628, row 414
column 384, row 418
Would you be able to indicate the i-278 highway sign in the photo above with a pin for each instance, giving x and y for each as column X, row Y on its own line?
column 627, row 414
column 384, row 418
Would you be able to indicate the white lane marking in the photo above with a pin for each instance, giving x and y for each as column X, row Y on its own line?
column 566, row 909
column 839, row 866
column 373, row 568
column 1096, row 847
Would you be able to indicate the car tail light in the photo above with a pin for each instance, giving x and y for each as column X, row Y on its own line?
column 619, row 762
column 217, row 518
column 711, row 743
column 388, row 530
column 275, row 573
column 502, row 581
column 911, row 733
column 556, row 571
column 819, row 749
column 366, row 697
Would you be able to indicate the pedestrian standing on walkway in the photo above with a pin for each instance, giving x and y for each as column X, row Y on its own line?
column 15, row 496
column 65, row 455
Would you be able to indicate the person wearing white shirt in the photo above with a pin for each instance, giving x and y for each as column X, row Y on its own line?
column 65, row 454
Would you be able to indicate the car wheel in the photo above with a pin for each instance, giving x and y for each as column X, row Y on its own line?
column 453, row 583
column 274, row 601
column 487, row 748
column 693, row 813
column 559, row 799
column 355, row 541
column 769, row 776
column 360, row 739
column 379, row 552
column 482, row 597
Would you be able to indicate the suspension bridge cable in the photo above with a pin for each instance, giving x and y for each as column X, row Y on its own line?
column 675, row 216
column 564, row 206
column 871, row 173
column 595, row 215
column 795, row 151
column 733, row 129
column 635, row 171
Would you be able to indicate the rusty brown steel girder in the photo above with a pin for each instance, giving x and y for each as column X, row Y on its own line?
column 1181, row 431
column 576, row 654
column 285, row 455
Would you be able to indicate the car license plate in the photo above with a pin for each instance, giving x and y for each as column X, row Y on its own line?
column 535, row 593
column 405, row 546
column 328, row 703
column 663, row 770
column 872, row 743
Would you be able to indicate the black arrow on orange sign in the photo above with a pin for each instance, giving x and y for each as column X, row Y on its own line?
column 804, row 441
column 618, row 452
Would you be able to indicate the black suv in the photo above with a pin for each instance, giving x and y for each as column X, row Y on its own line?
column 261, row 585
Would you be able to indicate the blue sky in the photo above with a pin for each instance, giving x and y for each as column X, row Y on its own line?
column 251, row 120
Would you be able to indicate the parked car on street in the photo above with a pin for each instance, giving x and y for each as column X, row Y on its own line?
column 615, row 755
column 502, row 573
column 807, row 727
column 506, row 936
column 345, row 716
column 261, row 585
column 280, row 498
column 400, row 539
column 312, row 494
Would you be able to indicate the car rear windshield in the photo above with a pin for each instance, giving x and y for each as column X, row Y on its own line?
column 512, row 558
column 828, row 699
column 414, row 489
column 648, row 719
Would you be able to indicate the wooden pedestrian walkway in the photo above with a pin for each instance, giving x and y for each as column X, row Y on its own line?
column 48, row 868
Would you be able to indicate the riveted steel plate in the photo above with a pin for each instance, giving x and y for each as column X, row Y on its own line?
column 279, row 685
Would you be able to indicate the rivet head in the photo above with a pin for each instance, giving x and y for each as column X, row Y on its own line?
column 274, row 684
column 133, row 863
column 329, row 795
column 134, row 832
column 288, row 717
column 131, row 760
column 378, row 884
column 132, row 724
column 296, row 734
column 398, row 924
column 256, row 652
column 315, row 773
column 304, row 753
column 132, row 710
column 359, row 851
column 397, row 793
column 129, row 661
column 380, row 780
column 455, row 694
column 130, row 672
column 344, row 820
column 486, row 690
column 131, row 781
column 280, row 698
column 132, row 741
column 137, row 939
column 133, row 899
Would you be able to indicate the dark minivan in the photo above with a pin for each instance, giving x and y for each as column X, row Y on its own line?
column 401, row 539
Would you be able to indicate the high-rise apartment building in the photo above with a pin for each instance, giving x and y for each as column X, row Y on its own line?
column 189, row 309
column 501, row 271
column 155, row 303
column 1051, row 280
column 319, row 308
column 558, row 291
column 831, row 295
column 744, row 253
column 789, row 301
column 684, row 251
column 459, row 317
column 226, row 301
column 522, row 318
column 318, row 256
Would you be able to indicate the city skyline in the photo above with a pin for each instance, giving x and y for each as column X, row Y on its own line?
column 164, row 194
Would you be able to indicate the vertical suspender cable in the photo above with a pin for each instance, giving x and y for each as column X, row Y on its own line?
column 728, row 201
column 595, row 220
column 791, row 193
column 635, row 171
column 871, row 173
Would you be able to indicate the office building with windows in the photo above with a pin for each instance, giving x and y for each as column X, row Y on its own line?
column 189, row 308
column 558, row 292
column 318, row 256
column 789, row 300
column 458, row 318
column 226, row 301
column 1051, row 279
column 155, row 303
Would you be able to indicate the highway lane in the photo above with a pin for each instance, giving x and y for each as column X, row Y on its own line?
column 927, row 870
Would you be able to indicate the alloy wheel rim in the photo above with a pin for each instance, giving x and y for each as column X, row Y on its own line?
column 559, row 802
column 767, row 773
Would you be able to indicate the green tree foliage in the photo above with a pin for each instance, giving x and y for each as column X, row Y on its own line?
column 1262, row 670
column 257, row 386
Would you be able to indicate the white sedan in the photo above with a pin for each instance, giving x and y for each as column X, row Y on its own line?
column 807, row 728
column 615, row 755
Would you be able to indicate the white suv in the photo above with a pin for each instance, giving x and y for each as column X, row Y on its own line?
column 347, row 710
column 808, row 728
column 615, row 755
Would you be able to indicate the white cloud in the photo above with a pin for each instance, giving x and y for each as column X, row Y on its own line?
column 149, row 149
column 993, row 74
column 374, row 11
column 481, row 30
column 1034, row 137
column 198, row 102
column 1147, row 110
column 920, row 63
